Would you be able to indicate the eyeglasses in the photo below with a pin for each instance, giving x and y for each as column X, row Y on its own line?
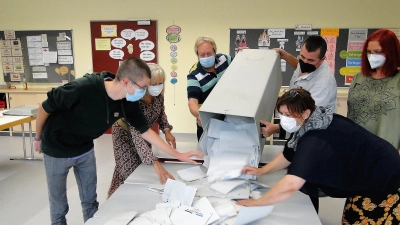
column 140, row 87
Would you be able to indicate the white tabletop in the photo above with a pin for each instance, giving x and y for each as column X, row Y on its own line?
column 133, row 196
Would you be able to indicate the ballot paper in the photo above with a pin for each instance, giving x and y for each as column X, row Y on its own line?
column 227, row 166
column 217, row 126
column 247, row 215
column 184, row 214
column 226, row 186
column 140, row 221
column 192, row 173
column 121, row 218
column 204, row 205
column 172, row 204
column 178, row 191
column 159, row 215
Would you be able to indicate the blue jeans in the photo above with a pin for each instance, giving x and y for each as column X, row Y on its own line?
column 85, row 173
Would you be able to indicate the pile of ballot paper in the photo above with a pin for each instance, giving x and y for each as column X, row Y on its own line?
column 229, row 145
column 203, row 203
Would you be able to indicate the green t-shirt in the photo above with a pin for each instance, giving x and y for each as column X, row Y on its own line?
column 375, row 105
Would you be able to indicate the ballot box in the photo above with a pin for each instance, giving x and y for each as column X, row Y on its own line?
column 246, row 94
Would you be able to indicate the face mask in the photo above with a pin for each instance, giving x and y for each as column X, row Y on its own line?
column 155, row 90
column 289, row 124
column 139, row 93
column 376, row 60
column 306, row 67
column 207, row 62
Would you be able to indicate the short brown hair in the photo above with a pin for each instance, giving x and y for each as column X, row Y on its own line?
column 133, row 68
column 297, row 101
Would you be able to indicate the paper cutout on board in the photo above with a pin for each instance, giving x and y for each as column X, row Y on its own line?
column 118, row 42
column 116, row 54
column 141, row 34
column 130, row 48
column 147, row 55
column 128, row 34
column 146, row 45
column 173, row 54
column 174, row 81
column 9, row 34
column 108, row 30
column 174, row 60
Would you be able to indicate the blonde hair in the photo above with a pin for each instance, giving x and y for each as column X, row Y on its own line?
column 202, row 40
column 157, row 72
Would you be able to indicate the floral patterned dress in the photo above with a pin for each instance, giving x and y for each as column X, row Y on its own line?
column 130, row 149
column 375, row 105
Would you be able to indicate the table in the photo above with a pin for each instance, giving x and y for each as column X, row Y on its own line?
column 133, row 196
column 11, row 121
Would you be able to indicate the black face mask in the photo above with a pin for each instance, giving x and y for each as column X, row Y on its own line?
column 306, row 67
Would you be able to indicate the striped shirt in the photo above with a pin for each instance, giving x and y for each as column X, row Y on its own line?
column 200, row 82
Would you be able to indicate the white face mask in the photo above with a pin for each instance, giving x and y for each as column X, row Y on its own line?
column 376, row 60
column 289, row 124
column 155, row 90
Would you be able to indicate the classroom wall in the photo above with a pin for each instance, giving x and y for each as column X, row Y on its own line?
column 196, row 18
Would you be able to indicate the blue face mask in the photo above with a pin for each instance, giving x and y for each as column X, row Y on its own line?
column 139, row 93
column 207, row 62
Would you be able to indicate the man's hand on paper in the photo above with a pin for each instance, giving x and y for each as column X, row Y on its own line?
column 185, row 157
column 269, row 128
column 162, row 173
column 250, row 170
column 170, row 138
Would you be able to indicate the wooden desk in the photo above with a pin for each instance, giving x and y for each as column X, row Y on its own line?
column 11, row 121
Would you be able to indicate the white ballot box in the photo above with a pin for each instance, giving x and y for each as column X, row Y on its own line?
column 245, row 94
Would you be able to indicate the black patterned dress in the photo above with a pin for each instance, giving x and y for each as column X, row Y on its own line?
column 130, row 150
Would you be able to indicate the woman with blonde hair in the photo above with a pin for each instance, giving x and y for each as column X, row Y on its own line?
column 130, row 149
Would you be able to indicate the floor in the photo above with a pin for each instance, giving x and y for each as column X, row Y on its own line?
column 23, row 190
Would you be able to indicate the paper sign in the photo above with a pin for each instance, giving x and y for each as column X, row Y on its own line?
column 330, row 32
column 128, row 34
column 147, row 55
column 118, row 42
column 65, row 60
column 102, row 44
column 63, row 45
column 108, row 30
column 9, row 34
column 34, row 38
column 39, row 75
column 141, row 34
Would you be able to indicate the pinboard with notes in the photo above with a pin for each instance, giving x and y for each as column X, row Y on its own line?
column 41, row 56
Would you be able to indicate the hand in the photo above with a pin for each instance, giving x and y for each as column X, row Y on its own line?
column 284, row 55
column 170, row 138
column 269, row 128
column 249, row 202
column 252, row 171
column 162, row 173
column 36, row 145
column 199, row 121
column 185, row 157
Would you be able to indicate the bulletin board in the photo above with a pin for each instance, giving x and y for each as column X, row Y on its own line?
column 115, row 41
column 343, row 54
column 42, row 56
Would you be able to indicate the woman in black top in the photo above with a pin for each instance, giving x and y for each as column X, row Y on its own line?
column 332, row 153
